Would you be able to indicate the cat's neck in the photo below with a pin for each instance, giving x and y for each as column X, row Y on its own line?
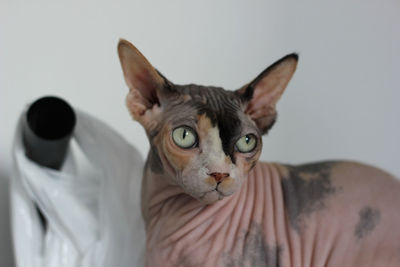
column 159, row 195
column 167, row 206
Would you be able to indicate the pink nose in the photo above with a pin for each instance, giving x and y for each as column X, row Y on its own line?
column 219, row 176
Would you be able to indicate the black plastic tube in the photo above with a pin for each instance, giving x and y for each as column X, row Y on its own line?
column 47, row 129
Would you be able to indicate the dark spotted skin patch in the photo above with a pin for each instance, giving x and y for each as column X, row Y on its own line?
column 256, row 251
column 305, row 190
column 369, row 219
column 154, row 161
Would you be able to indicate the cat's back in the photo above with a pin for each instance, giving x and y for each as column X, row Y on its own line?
column 341, row 214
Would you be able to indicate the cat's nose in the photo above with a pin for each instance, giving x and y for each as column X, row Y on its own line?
column 219, row 176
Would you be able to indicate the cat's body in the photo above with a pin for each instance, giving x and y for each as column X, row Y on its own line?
column 207, row 202
column 322, row 214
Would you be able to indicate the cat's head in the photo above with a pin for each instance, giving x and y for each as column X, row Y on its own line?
column 204, row 139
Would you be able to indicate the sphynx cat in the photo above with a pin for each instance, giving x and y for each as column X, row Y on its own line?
column 207, row 201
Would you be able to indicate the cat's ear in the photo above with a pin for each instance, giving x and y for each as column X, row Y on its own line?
column 261, row 95
column 146, row 85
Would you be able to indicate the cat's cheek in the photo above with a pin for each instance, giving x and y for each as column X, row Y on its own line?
column 195, row 180
column 230, row 186
column 177, row 159
column 194, row 170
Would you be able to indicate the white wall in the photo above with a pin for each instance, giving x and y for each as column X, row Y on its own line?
column 342, row 103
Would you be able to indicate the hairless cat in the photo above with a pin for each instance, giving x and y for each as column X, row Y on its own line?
column 207, row 201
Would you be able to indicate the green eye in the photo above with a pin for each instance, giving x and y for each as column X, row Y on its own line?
column 184, row 137
column 246, row 143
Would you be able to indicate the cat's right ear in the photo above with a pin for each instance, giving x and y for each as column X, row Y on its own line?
column 261, row 95
column 144, row 82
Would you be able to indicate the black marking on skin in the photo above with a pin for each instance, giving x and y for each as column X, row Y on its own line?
column 154, row 161
column 221, row 107
column 369, row 219
column 153, row 133
column 305, row 190
column 256, row 251
column 253, row 164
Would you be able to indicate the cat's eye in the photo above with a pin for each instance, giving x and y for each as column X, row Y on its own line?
column 184, row 137
column 246, row 143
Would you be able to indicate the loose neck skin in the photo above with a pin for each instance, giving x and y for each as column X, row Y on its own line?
column 174, row 219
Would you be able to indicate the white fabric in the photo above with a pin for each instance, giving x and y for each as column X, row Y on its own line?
column 93, row 216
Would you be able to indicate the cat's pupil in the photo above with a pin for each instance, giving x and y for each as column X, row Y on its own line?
column 184, row 134
column 247, row 139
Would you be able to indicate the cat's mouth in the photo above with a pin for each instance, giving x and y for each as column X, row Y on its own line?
column 220, row 194
column 212, row 190
column 214, row 194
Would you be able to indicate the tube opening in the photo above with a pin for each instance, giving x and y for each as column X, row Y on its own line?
column 51, row 118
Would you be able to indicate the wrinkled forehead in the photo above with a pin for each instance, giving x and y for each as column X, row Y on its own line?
column 215, row 102
column 221, row 107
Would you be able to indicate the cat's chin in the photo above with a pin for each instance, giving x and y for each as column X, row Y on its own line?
column 211, row 197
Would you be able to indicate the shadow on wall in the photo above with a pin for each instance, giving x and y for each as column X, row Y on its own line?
column 6, row 255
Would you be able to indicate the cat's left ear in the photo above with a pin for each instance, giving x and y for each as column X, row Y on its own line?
column 147, row 87
column 261, row 95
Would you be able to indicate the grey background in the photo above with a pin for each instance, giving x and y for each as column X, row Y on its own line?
column 341, row 104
